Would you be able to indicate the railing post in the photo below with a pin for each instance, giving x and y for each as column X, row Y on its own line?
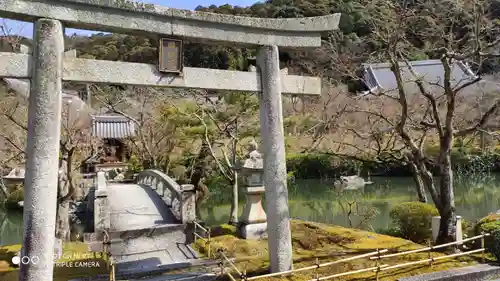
column 316, row 270
column 482, row 247
column 377, row 264
column 112, row 273
column 102, row 213
column 209, row 242
column 188, row 203
column 101, row 206
column 221, row 266
column 195, row 226
column 430, row 253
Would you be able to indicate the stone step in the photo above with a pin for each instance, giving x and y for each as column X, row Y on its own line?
column 145, row 244
column 173, row 254
column 132, row 271
column 154, row 230
column 180, row 256
column 469, row 273
column 176, row 232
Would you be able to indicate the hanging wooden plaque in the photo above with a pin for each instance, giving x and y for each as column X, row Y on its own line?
column 170, row 56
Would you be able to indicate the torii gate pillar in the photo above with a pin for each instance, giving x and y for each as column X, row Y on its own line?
column 273, row 148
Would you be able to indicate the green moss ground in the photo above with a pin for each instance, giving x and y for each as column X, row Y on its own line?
column 328, row 243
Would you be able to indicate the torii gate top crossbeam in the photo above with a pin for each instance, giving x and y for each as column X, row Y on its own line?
column 125, row 16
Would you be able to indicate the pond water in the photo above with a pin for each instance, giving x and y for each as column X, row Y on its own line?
column 315, row 200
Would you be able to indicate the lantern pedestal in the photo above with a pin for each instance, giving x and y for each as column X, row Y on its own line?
column 254, row 231
column 253, row 220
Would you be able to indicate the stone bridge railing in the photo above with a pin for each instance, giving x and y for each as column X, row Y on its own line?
column 102, row 212
column 180, row 198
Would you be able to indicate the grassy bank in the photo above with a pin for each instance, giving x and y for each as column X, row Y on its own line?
column 327, row 243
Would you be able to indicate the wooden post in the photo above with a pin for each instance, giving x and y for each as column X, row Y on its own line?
column 430, row 253
column 482, row 247
column 208, row 241
column 378, row 265
column 316, row 270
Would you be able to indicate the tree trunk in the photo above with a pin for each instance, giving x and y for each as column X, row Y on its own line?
column 419, row 183
column 199, row 170
column 65, row 192
column 233, row 217
column 4, row 190
column 447, row 226
column 63, row 230
column 428, row 180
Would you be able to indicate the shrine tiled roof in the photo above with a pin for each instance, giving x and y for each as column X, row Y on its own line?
column 112, row 127
column 379, row 77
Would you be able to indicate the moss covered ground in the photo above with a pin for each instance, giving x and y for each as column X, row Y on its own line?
column 327, row 243
column 310, row 241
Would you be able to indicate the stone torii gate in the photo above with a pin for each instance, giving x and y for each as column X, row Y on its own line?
column 47, row 68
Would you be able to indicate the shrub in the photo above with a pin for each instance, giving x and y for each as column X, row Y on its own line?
column 393, row 231
column 13, row 198
column 133, row 165
column 486, row 224
column 494, row 246
column 489, row 224
column 320, row 166
column 414, row 220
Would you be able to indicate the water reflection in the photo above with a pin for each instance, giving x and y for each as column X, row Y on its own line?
column 317, row 201
column 11, row 229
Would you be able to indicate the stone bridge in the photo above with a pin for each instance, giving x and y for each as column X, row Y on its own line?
column 149, row 224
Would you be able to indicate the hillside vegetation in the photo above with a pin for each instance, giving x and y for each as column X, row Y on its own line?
column 325, row 125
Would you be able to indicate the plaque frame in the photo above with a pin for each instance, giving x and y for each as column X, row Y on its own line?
column 162, row 68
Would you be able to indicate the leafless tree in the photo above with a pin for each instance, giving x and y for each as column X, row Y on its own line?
column 449, row 31
column 76, row 147
column 225, row 122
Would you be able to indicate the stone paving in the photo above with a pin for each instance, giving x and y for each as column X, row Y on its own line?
column 481, row 272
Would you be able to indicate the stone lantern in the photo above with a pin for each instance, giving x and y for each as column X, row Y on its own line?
column 253, row 221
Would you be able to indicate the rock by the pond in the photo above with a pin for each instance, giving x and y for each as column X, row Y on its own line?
column 350, row 183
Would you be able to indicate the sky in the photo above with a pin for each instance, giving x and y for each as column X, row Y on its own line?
column 26, row 29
